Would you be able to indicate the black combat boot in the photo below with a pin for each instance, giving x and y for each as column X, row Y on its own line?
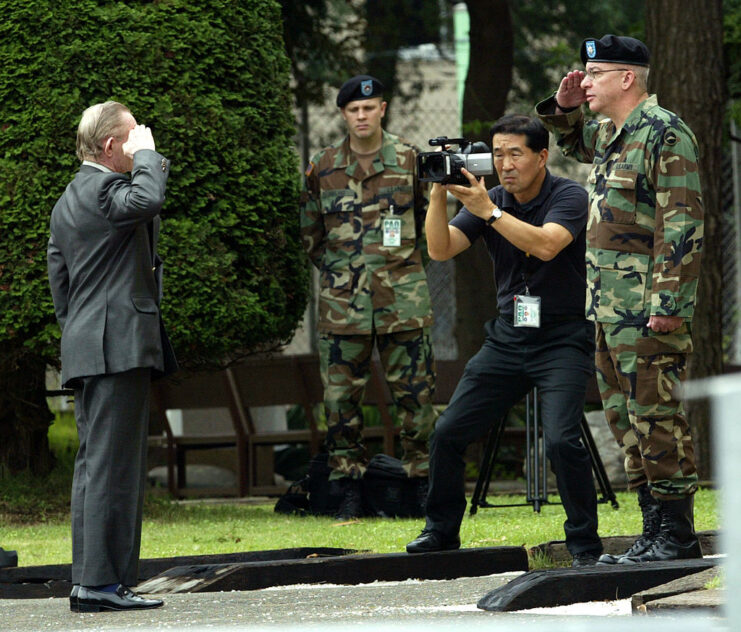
column 351, row 505
column 651, row 510
column 676, row 539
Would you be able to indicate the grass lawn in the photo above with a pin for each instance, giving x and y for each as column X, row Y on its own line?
column 34, row 515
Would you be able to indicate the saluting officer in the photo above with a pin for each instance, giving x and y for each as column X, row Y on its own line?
column 644, row 236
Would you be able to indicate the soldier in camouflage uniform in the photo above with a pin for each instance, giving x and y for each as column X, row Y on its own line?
column 644, row 236
column 362, row 216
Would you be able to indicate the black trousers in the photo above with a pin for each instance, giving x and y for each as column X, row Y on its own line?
column 558, row 358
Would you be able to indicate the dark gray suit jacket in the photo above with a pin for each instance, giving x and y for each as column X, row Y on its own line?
column 104, row 272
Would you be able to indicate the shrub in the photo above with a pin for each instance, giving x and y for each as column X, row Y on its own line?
column 211, row 79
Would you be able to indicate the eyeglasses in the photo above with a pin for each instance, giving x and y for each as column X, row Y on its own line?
column 593, row 75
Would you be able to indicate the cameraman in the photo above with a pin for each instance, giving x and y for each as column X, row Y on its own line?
column 533, row 224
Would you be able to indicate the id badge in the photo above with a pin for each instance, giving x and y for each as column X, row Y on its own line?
column 392, row 232
column 527, row 311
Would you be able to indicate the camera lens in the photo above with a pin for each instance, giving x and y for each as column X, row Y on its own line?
column 432, row 167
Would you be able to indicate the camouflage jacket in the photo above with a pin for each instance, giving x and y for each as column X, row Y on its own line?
column 645, row 225
column 365, row 285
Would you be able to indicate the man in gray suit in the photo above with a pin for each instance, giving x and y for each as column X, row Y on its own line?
column 105, row 279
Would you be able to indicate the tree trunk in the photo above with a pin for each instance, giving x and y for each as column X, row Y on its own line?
column 24, row 416
column 687, row 74
column 484, row 99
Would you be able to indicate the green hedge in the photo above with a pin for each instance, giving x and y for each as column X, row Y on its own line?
column 211, row 79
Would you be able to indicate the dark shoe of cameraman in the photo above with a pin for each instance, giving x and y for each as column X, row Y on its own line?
column 429, row 541
column 351, row 505
column 676, row 539
column 584, row 558
column 651, row 510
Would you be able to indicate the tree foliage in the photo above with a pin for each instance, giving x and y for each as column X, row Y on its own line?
column 211, row 79
column 323, row 42
column 548, row 34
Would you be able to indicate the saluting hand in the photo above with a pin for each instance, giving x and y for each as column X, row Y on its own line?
column 140, row 137
column 570, row 93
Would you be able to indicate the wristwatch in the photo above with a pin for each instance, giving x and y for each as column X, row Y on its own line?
column 496, row 213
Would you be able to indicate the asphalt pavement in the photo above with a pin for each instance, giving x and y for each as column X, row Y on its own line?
column 413, row 605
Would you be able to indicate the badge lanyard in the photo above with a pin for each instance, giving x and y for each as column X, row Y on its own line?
column 527, row 307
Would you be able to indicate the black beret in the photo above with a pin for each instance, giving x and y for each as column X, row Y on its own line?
column 613, row 48
column 359, row 88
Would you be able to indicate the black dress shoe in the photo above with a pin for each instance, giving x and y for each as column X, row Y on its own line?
column 89, row 600
column 429, row 541
column 73, row 606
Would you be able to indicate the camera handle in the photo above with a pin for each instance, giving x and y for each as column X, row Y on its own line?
column 444, row 140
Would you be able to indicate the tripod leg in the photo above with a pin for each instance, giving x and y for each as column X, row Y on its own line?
column 485, row 468
column 597, row 465
column 543, row 462
column 530, row 443
column 537, row 492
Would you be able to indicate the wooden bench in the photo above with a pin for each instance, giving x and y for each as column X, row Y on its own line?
column 196, row 391
column 265, row 381
column 273, row 381
column 270, row 381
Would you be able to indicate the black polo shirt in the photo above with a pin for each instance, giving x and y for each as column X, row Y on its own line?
column 561, row 282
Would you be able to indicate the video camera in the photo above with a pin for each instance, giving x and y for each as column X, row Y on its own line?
column 445, row 166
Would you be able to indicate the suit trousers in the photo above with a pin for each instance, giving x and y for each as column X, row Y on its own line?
column 558, row 359
column 112, row 414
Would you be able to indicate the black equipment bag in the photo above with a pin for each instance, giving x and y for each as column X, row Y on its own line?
column 387, row 490
column 312, row 493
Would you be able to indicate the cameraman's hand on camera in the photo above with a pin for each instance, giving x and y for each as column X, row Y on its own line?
column 570, row 93
column 475, row 198
column 140, row 137
column 437, row 191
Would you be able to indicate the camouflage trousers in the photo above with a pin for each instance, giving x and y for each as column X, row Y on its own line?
column 637, row 372
column 409, row 367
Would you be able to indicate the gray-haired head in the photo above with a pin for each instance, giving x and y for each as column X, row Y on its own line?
column 98, row 123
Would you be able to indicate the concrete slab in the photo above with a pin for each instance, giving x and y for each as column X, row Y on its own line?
column 681, row 586
column 696, row 601
column 414, row 606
